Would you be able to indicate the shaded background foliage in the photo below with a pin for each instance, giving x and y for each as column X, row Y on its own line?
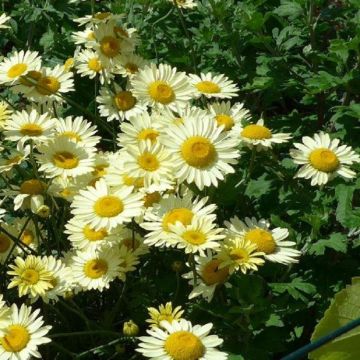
column 297, row 64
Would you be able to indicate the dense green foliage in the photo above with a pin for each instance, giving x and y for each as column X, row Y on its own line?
column 297, row 64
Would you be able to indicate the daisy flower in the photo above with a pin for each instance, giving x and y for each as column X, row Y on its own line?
column 24, row 334
column 169, row 117
column 85, row 238
column 203, row 154
column 30, row 190
column 181, row 340
column 85, row 37
column 98, row 18
column 143, row 127
column 15, row 157
column 118, row 175
column 79, row 130
column 198, row 236
column 172, row 210
column 153, row 163
column 18, row 64
column 95, row 270
column 67, row 188
column 5, row 316
column 119, row 105
column 102, row 207
column 64, row 157
column 322, row 159
column 61, row 279
column 49, row 85
column 210, row 276
column 162, row 86
column 227, row 115
column 109, row 46
column 3, row 20
column 23, row 126
column 128, row 261
column 129, row 65
column 239, row 254
column 89, row 64
column 184, row 4
column 30, row 276
column 164, row 312
column 258, row 136
column 270, row 242
column 133, row 241
column 5, row 113
column 213, row 86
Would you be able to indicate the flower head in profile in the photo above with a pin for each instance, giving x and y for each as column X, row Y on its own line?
column 322, row 159
column 164, row 312
column 258, row 136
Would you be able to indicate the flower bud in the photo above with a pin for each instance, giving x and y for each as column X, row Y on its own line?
column 130, row 328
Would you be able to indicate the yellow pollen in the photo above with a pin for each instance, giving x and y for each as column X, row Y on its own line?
column 91, row 36
column 226, row 120
column 161, row 92
column 95, row 65
column 263, row 240
column 16, row 338
column 71, row 135
column 148, row 134
column 30, row 276
column 148, row 162
column 16, row 70
column 27, row 237
column 48, row 85
column 100, row 170
column 69, row 63
column 324, row 160
column 239, row 255
column 66, row 192
column 110, row 46
column 31, row 78
column 256, row 132
column 4, row 243
column 183, row 215
column 211, row 274
column 198, row 152
column 131, row 68
column 124, row 100
column 95, row 268
column 30, row 129
column 102, row 15
column 131, row 181
column 32, row 187
column 194, row 237
column 151, row 198
column 108, row 206
column 94, row 235
column 65, row 160
column 183, row 345
column 208, row 87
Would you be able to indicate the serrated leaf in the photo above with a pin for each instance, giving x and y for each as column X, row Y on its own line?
column 257, row 188
column 337, row 242
column 290, row 9
column 344, row 308
column 344, row 211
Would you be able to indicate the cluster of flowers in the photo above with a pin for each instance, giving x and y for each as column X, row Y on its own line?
column 137, row 197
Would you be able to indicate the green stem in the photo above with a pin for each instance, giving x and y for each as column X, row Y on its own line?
column 84, row 333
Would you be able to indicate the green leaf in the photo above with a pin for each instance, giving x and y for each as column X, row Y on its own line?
column 259, row 187
column 344, row 308
column 235, row 357
column 289, row 9
column 344, row 211
column 296, row 288
column 337, row 242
